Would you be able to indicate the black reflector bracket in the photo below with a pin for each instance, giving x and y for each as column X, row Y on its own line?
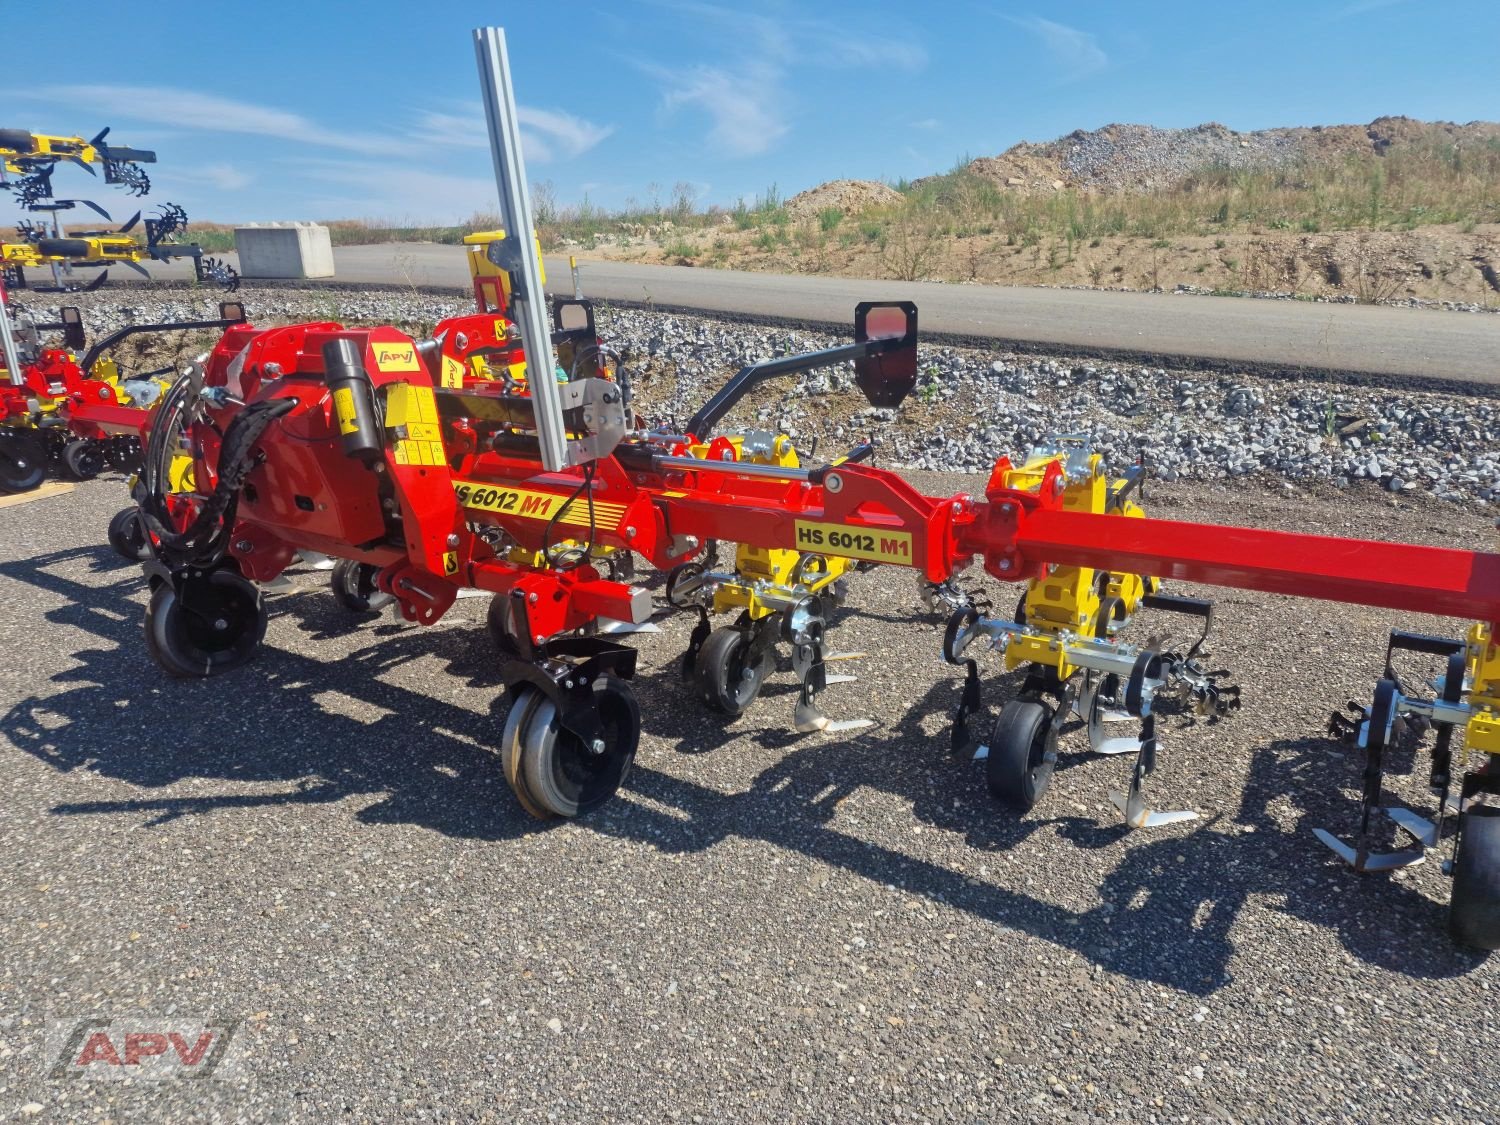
column 888, row 375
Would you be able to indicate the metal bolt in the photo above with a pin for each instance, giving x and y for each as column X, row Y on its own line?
column 834, row 483
column 957, row 507
column 531, row 598
column 1004, row 564
column 453, row 539
column 273, row 369
column 630, row 533
column 1007, row 509
column 244, row 546
column 597, row 746
column 567, row 683
column 220, row 623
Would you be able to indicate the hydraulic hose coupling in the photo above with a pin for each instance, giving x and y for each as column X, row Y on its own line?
column 353, row 399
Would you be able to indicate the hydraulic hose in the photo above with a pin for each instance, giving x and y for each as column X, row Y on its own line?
column 202, row 543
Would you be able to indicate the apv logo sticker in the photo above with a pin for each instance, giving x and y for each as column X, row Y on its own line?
column 395, row 358
column 145, row 1048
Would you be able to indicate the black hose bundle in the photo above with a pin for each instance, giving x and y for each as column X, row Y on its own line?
column 202, row 543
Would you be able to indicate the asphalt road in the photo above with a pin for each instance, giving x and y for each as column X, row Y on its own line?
column 1345, row 339
column 320, row 847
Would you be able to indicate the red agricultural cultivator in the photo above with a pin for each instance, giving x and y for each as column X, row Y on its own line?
column 504, row 455
column 71, row 405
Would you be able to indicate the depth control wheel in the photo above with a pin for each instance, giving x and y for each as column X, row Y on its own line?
column 553, row 772
column 214, row 624
column 1474, row 912
column 1023, row 749
column 505, row 631
column 127, row 535
column 23, row 460
column 724, row 678
column 353, row 584
column 83, row 459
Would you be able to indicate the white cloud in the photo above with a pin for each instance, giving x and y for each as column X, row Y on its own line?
column 740, row 106
column 546, row 134
column 744, row 100
column 405, row 196
column 224, row 177
column 1076, row 53
column 195, row 110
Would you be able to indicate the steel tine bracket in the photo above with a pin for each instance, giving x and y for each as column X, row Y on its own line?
column 1361, row 855
column 807, row 659
column 970, row 702
column 1133, row 805
column 696, row 641
column 1144, row 678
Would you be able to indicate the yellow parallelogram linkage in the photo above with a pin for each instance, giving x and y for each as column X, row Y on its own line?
column 1483, row 731
column 760, row 567
column 1068, row 601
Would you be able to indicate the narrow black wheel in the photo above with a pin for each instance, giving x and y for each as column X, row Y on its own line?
column 1474, row 912
column 127, row 535
column 726, row 681
column 566, row 778
column 1023, row 748
column 213, row 624
column 353, row 584
column 83, row 459
column 23, row 460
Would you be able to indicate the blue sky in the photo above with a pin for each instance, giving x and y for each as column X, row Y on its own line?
column 269, row 109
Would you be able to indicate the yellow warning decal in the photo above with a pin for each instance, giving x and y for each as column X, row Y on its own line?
column 529, row 504
column 848, row 542
column 343, row 410
column 450, row 563
column 453, row 373
column 411, row 413
column 393, row 358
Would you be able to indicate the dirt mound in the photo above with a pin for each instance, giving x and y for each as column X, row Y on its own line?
column 1133, row 158
column 848, row 196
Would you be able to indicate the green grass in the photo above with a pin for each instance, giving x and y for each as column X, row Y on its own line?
column 1423, row 184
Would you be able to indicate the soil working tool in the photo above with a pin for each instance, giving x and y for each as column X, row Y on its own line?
column 101, row 249
column 350, row 442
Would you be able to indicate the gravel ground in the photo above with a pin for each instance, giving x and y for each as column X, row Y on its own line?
column 762, row 926
column 970, row 403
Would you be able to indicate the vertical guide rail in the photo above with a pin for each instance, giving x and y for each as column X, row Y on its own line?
column 8, row 342
column 528, row 298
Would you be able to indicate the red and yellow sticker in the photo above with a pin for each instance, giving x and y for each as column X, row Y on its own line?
column 453, row 373
column 395, row 358
column 529, row 504
column 870, row 544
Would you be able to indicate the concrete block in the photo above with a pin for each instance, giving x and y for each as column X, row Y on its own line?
column 294, row 250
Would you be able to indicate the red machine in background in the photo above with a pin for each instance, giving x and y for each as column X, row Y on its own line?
column 71, row 405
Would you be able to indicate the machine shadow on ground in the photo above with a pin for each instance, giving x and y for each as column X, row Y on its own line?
column 1167, row 908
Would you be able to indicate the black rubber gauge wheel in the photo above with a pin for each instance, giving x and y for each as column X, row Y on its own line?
column 1023, row 749
column 211, row 624
column 353, row 584
column 1474, row 911
column 726, row 681
column 127, row 535
column 23, row 460
column 83, row 459
column 552, row 771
